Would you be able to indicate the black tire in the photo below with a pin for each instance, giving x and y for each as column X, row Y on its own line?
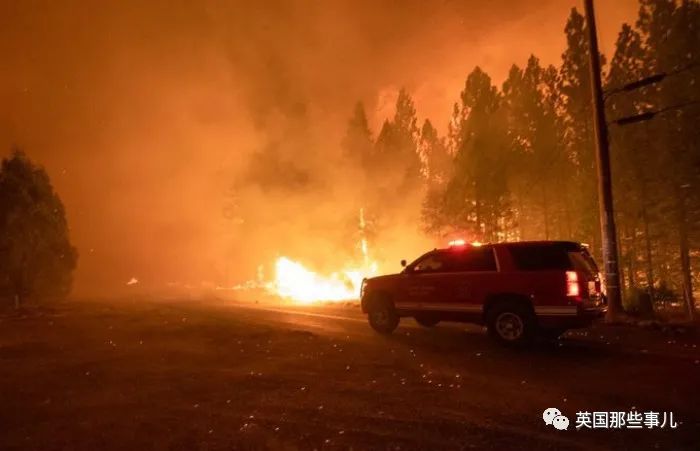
column 382, row 316
column 512, row 323
column 427, row 320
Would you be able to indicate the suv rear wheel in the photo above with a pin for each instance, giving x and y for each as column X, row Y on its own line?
column 511, row 323
column 382, row 316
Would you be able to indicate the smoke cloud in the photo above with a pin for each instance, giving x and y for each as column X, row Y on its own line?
column 194, row 141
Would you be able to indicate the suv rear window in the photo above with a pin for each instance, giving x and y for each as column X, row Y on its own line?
column 583, row 261
column 554, row 256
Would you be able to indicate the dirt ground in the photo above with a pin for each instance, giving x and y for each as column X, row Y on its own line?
column 194, row 375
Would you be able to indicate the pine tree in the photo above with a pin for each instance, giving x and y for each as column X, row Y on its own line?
column 37, row 256
column 632, row 168
column 670, row 32
column 454, row 127
column 560, row 166
column 477, row 198
column 518, row 126
column 357, row 143
column 576, row 91
column 433, row 151
column 438, row 164
column 534, row 135
column 405, row 125
column 396, row 160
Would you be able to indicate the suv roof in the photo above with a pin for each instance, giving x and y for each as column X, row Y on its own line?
column 534, row 255
column 573, row 245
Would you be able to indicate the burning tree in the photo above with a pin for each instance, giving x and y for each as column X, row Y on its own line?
column 36, row 256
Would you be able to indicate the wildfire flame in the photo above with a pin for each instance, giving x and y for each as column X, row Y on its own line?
column 296, row 282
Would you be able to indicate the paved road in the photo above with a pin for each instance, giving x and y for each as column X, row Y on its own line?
column 506, row 391
column 218, row 375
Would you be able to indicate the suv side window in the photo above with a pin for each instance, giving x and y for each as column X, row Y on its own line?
column 541, row 257
column 432, row 263
column 474, row 260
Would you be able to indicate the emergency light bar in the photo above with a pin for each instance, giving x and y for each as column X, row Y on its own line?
column 462, row 243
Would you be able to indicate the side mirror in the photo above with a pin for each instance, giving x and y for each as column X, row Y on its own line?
column 403, row 263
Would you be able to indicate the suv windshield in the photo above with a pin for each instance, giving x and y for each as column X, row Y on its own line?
column 431, row 263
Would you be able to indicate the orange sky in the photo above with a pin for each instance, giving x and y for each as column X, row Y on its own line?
column 144, row 112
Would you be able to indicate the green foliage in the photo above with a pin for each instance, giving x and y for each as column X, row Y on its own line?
column 37, row 256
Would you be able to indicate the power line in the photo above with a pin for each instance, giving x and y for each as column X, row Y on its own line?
column 648, row 115
column 653, row 79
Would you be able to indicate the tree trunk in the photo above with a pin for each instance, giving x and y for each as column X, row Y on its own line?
column 477, row 211
column 628, row 284
column 645, row 300
column 684, row 250
column 521, row 219
column 647, row 245
column 631, row 259
column 545, row 208
column 567, row 211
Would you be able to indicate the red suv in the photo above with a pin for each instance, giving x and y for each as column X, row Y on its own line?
column 518, row 290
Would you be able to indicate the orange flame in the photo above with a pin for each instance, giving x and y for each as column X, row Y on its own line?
column 296, row 282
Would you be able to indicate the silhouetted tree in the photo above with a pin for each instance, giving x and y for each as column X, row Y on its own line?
column 671, row 39
column 477, row 198
column 433, row 150
column 632, row 168
column 36, row 256
column 535, row 139
column 578, row 120
column 520, row 163
column 396, row 163
column 357, row 143
column 438, row 169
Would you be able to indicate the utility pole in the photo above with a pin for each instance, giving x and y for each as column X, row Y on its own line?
column 605, row 196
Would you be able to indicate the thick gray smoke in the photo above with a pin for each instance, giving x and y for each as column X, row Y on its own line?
column 193, row 141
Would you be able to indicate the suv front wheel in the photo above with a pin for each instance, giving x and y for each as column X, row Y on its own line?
column 382, row 317
column 511, row 323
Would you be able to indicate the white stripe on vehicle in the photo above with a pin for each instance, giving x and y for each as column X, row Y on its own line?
column 565, row 310
column 439, row 307
column 556, row 310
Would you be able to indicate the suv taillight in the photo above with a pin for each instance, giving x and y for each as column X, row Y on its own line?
column 573, row 289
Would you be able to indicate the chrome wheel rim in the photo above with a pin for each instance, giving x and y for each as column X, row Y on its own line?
column 509, row 326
